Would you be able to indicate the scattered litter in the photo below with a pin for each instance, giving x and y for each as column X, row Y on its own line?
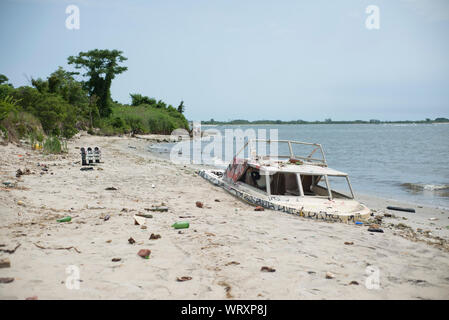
column 143, row 227
column 6, row 280
column 232, row 263
column 209, row 234
column 267, row 269
column 86, row 168
column 20, row 203
column 186, row 217
column 155, row 236
column 32, row 298
column 375, row 228
column 159, row 209
column 108, row 241
column 199, row 204
column 106, row 218
column 153, row 186
column 65, row 219
column 388, row 215
column 180, row 225
column 359, row 223
column 354, row 283
column 401, row 209
column 259, row 208
column 217, row 200
column 144, row 253
column 330, row 275
column 111, row 188
column 116, row 259
column 433, row 219
column 349, row 243
column 131, row 240
column 5, row 263
column 184, row 278
column 58, row 248
column 139, row 220
column 145, row 215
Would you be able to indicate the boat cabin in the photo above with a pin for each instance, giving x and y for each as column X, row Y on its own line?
column 291, row 175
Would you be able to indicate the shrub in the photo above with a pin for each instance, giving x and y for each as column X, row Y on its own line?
column 53, row 145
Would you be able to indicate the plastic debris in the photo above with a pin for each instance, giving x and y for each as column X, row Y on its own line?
column 180, row 225
column 65, row 219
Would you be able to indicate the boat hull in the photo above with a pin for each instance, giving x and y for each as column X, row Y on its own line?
column 326, row 210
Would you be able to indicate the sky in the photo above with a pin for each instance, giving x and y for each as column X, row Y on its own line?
column 256, row 59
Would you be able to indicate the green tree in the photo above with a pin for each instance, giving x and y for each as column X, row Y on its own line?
column 181, row 107
column 138, row 99
column 101, row 67
column 3, row 79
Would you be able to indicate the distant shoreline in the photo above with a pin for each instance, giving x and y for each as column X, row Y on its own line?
column 328, row 121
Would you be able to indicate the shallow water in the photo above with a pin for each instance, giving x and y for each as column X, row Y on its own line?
column 398, row 161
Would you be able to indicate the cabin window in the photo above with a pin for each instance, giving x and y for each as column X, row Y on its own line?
column 339, row 186
column 312, row 185
column 253, row 178
column 284, row 184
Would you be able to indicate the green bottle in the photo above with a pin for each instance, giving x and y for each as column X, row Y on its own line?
column 180, row 225
column 65, row 219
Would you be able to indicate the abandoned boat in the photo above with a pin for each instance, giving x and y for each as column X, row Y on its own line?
column 293, row 183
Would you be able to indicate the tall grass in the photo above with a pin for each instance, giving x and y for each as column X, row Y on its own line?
column 53, row 145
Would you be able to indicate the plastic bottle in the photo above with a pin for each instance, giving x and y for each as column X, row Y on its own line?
column 181, row 225
column 65, row 219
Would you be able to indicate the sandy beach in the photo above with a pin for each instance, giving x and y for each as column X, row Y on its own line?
column 222, row 251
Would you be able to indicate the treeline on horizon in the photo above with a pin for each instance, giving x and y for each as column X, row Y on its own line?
column 326, row 121
column 61, row 105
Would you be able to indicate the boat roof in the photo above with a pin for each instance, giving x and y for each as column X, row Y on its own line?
column 285, row 166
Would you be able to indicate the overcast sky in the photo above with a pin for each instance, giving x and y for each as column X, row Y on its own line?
column 239, row 59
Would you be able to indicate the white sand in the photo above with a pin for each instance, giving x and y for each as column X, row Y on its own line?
column 301, row 250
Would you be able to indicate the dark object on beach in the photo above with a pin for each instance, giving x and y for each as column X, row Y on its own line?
column 349, row 243
column 184, row 278
column 388, row 215
column 401, row 209
column 6, row 280
column 116, row 259
column 97, row 154
column 217, row 200
column 199, row 204
column 144, row 253
column 5, row 263
column 10, row 251
column 83, row 157
column 155, row 236
column 86, row 168
column 259, row 208
column 267, row 269
column 159, row 209
column 131, row 240
column 354, row 283
column 145, row 215
column 371, row 229
column 111, row 188
column 32, row 298
column 106, row 218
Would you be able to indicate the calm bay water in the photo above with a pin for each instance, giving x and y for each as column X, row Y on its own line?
column 399, row 161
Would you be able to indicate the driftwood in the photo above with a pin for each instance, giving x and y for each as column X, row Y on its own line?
column 59, row 248
column 11, row 250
